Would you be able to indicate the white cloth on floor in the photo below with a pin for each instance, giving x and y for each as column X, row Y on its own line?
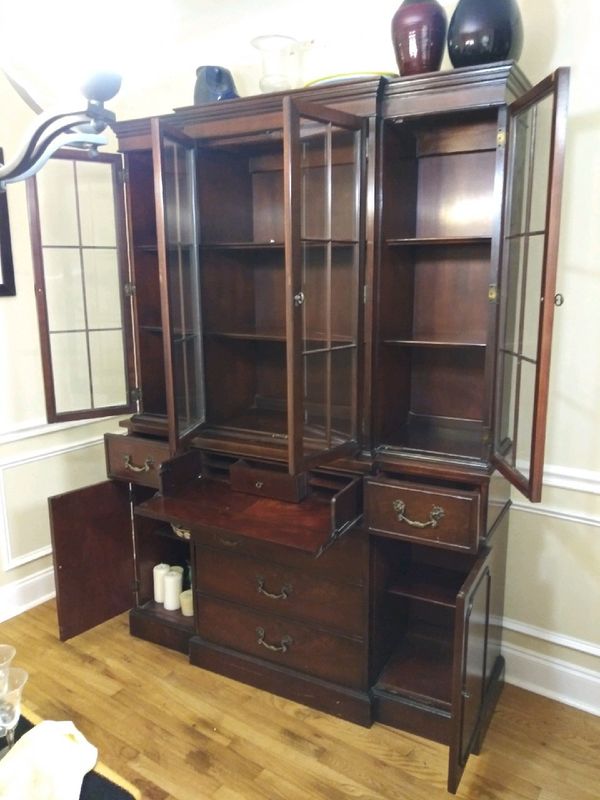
column 48, row 762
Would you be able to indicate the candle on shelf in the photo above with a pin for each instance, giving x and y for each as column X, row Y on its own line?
column 158, row 574
column 173, row 581
column 187, row 603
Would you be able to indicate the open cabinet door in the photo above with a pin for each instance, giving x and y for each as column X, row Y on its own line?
column 324, row 168
column 470, row 667
column 93, row 555
column 535, row 150
column 77, row 226
column 174, row 164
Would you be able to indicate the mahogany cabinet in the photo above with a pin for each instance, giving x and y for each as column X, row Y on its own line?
column 342, row 304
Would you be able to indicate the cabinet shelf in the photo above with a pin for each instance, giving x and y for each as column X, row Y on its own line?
column 274, row 245
column 439, row 241
column 315, row 339
column 429, row 584
column 434, row 342
column 174, row 619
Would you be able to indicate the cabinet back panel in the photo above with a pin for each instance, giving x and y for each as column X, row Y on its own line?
column 233, row 384
column 455, row 194
column 267, row 194
column 392, row 395
column 450, row 295
column 147, row 288
column 447, row 386
column 246, row 376
column 140, row 189
column 151, row 371
column 243, row 291
column 399, row 184
column 225, row 197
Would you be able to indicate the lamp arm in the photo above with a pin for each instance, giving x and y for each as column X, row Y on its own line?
column 51, row 126
column 42, row 155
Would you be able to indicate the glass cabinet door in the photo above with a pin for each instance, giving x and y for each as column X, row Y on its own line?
column 76, row 219
column 530, row 244
column 175, row 193
column 324, row 166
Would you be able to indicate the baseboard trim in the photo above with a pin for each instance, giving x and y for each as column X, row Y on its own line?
column 552, row 677
column 18, row 596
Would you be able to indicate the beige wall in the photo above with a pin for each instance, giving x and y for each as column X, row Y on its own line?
column 553, row 592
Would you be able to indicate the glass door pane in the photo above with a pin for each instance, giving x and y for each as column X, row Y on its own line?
column 175, row 172
column 327, row 169
column 76, row 219
column 530, row 243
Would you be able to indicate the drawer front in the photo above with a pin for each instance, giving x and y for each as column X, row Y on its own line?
column 281, row 590
column 347, row 558
column 282, row 642
column 134, row 459
column 431, row 515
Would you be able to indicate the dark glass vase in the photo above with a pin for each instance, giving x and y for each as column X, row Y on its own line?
column 484, row 31
column 419, row 36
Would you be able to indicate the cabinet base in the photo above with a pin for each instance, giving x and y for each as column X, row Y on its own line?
column 339, row 701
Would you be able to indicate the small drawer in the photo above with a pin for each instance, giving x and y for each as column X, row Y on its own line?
column 268, row 482
column 135, row 459
column 286, row 643
column 281, row 590
column 442, row 517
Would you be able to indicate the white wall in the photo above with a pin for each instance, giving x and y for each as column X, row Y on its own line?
column 553, row 639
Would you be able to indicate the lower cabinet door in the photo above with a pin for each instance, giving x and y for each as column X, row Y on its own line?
column 93, row 555
column 470, row 667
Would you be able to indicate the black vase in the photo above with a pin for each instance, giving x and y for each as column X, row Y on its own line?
column 213, row 84
column 484, row 31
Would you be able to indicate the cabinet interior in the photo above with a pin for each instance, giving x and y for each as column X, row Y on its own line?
column 417, row 588
column 438, row 224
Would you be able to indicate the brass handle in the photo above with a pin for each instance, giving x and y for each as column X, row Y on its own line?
column 435, row 515
column 183, row 533
column 259, row 484
column 282, row 647
column 129, row 465
column 283, row 594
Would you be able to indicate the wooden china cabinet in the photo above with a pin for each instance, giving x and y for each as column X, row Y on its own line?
column 342, row 303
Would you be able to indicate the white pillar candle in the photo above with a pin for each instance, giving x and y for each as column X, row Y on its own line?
column 177, row 568
column 173, row 581
column 158, row 574
column 187, row 603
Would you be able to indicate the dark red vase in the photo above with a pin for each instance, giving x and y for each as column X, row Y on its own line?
column 419, row 36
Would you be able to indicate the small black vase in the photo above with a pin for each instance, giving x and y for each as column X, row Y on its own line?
column 484, row 31
column 213, row 84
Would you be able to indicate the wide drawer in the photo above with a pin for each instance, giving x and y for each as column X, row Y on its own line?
column 442, row 517
column 135, row 459
column 281, row 590
column 284, row 642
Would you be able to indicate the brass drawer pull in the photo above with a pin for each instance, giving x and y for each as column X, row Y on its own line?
column 129, row 465
column 276, row 648
column 435, row 515
column 283, row 594
column 183, row 533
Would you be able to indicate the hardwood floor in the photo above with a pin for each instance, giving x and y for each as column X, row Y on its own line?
column 176, row 731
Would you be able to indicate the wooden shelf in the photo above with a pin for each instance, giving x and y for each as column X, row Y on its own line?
column 431, row 342
column 172, row 618
column 428, row 584
column 441, row 241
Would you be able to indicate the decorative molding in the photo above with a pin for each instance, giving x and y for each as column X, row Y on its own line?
column 43, row 428
column 576, row 480
column 554, row 678
column 18, row 596
column 552, row 637
column 555, row 513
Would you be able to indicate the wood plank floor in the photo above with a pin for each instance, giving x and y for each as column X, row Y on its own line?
column 177, row 731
